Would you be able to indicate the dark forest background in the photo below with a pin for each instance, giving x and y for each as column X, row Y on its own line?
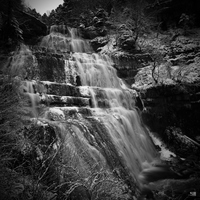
column 18, row 22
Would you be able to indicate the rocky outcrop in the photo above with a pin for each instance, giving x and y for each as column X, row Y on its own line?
column 125, row 38
column 127, row 64
column 173, row 106
column 174, row 100
column 172, row 110
column 99, row 42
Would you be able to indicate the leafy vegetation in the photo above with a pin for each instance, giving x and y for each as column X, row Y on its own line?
column 11, row 121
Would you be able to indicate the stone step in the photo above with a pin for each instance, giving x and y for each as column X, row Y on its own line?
column 53, row 100
column 63, row 113
column 60, row 89
column 54, row 93
column 112, row 97
column 91, row 58
column 53, row 88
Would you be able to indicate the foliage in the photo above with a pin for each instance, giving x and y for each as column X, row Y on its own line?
column 131, row 22
column 73, row 8
column 46, row 167
column 97, row 179
column 11, row 109
column 12, row 120
column 157, row 60
column 70, row 11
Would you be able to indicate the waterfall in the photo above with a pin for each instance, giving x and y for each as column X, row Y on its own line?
column 95, row 113
column 65, row 40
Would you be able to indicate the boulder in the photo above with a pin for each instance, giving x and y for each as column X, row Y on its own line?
column 98, row 22
column 102, row 31
column 92, row 32
column 127, row 44
column 98, row 42
column 126, row 40
column 179, row 143
column 128, row 64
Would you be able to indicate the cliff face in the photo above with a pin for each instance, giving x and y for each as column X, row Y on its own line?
column 171, row 98
column 170, row 91
column 172, row 107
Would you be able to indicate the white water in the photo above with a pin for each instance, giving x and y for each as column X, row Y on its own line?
column 64, row 39
column 130, row 138
column 28, row 88
column 165, row 154
column 120, row 117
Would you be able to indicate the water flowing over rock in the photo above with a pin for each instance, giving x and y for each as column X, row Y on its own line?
column 103, row 143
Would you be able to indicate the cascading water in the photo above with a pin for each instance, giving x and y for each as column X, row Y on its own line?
column 120, row 117
column 107, row 131
column 65, row 40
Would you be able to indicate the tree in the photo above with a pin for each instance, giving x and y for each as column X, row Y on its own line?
column 34, row 13
column 129, row 21
column 70, row 11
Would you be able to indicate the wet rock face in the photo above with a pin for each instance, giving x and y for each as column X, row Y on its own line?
column 40, row 64
column 51, row 68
